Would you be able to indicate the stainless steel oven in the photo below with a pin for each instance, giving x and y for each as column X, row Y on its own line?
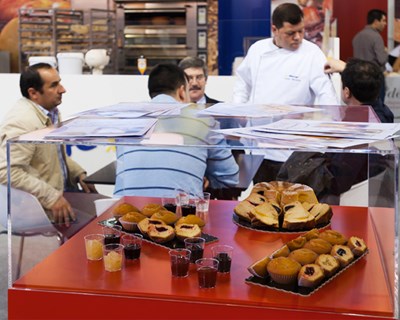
column 162, row 31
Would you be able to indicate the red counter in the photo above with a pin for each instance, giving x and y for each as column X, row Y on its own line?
column 66, row 285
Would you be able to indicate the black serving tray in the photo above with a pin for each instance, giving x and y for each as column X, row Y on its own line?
column 295, row 289
column 246, row 224
column 173, row 244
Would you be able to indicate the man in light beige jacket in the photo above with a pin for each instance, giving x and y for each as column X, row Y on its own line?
column 43, row 170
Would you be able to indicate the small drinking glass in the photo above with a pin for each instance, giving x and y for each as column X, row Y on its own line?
column 113, row 256
column 202, row 203
column 223, row 253
column 207, row 269
column 196, row 247
column 169, row 203
column 132, row 245
column 180, row 261
column 112, row 234
column 94, row 246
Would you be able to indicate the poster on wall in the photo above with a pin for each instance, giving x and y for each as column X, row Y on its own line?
column 9, row 8
column 319, row 20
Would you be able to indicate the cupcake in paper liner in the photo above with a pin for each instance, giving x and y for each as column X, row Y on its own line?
column 283, row 270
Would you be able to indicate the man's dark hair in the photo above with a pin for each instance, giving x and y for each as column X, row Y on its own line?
column 30, row 78
column 364, row 80
column 165, row 79
column 375, row 14
column 193, row 62
column 287, row 12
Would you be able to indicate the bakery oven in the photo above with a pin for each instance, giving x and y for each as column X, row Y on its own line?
column 162, row 31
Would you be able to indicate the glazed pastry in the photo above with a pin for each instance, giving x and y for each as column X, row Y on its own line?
column 357, row 246
column 296, row 217
column 333, row 237
column 318, row 245
column 342, row 254
column 265, row 215
column 303, row 256
column 322, row 213
column 310, row 276
column 243, row 210
column 283, row 270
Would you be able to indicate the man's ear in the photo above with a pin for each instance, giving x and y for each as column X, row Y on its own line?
column 182, row 94
column 32, row 93
column 347, row 93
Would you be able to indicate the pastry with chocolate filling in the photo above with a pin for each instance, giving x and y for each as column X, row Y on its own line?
column 342, row 254
column 186, row 230
column 357, row 246
column 310, row 276
column 145, row 223
column 322, row 213
column 265, row 215
column 296, row 217
column 161, row 233
column 256, row 199
column 328, row 263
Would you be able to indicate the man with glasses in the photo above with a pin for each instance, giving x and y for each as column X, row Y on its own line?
column 196, row 71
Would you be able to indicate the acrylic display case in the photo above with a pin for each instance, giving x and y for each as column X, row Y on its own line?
column 65, row 282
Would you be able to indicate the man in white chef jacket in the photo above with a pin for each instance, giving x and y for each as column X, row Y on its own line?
column 284, row 69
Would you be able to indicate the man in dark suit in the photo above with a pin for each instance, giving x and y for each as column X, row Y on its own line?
column 196, row 70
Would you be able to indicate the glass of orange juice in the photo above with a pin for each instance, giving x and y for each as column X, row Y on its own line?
column 94, row 246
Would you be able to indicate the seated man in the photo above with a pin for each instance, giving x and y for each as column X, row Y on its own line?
column 43, row 170
column 196, row 71
column 331, row 174
column 157, row 172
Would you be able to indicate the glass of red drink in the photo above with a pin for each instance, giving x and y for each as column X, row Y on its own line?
column 223, row 253
column 180, row 261
column 196, row 247
column 132, row 245
column 207, row 269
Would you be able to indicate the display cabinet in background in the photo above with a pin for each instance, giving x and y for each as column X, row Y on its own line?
column 368, row 209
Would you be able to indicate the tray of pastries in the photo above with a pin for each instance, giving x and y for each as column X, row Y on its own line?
column 158, row 225
column 280, row 206
column 307, row 263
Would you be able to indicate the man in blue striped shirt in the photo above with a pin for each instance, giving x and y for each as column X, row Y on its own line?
column 159, row 171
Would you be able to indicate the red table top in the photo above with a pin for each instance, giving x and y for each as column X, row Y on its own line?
column 365, row 288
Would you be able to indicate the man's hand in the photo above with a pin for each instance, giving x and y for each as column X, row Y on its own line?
column 62, row 212
column 334, row 65
column 86, row 187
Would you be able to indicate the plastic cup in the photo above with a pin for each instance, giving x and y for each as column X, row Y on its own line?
column 223, row 253
column 207, row 269
column 94, row 246
column 202, row 205
column 113, row 256
column 169, row 203
column 196, row 247
column 180, row 261
column 132, row 245
column 112, row 235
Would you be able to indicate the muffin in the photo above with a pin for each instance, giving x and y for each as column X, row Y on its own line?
column 123, row 208
column 145, row 224
column 167, row 216
column 283, row 270
column 312, row 234
column 333, row 237
column 342, row 254
column 149, row 209
column 310, row 276
column 328, row 264
column 357, row 246
column 303, row 256
column 319, row 246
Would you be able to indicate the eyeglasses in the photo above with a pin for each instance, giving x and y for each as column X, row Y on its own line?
column 199, row 77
